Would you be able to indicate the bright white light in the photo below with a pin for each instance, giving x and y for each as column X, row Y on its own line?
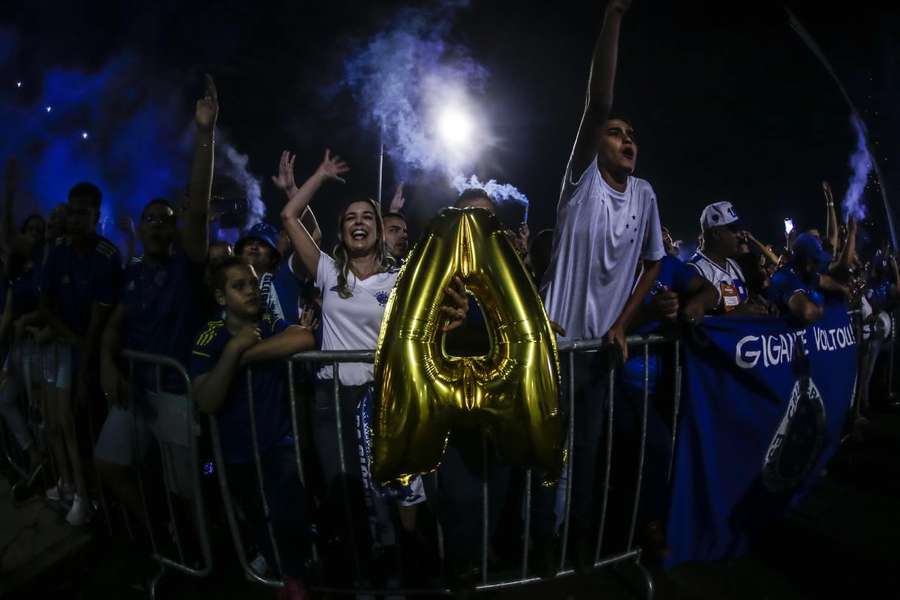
column 84, row 135
column 455, row 126
column 18, row 84
column 49, row 108
column 788, row 226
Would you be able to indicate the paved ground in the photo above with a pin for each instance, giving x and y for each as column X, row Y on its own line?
column 843, row 542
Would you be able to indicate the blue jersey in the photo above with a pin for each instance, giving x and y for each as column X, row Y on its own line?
column 280, row 292
column 74, row 281
column 677, row 277
column 785, row 283
column 163, row 305
column 273, row 421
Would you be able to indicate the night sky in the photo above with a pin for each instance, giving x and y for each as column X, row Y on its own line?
column 727, row 102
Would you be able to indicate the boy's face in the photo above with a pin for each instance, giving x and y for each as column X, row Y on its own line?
column 240, row 297
column 81, row 218
column 617, row 149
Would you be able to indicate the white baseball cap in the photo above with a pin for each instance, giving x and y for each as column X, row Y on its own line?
column 717, row 214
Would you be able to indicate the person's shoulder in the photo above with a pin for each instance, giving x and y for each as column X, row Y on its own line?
column 209, row 334
column 641, row 185
column 106, row 248
column 671, row 261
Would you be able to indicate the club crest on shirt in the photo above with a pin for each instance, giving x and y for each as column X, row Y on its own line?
column 795, row 448
column 382, row 297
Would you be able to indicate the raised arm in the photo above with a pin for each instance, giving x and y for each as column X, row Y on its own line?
column 304, row 245
column 195, row 235
column 831, row 232
column 601, row 81
column 848, row 252
column 763, row 249
column 398, row 200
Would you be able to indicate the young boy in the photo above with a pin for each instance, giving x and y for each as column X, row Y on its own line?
column 251, row 343
column 607, row 227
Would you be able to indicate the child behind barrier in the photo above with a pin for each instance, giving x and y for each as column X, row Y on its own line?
column 254, row 345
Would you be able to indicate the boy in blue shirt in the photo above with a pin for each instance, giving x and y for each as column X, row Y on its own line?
column 251, row 343
column 79, row 286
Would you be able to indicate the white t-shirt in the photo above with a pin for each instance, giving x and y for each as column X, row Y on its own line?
column 729, row 282
column 352, row 323
column 601, row 235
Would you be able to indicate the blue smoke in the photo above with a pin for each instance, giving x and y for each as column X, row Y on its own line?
column 861, row 165
column 404, row 76
column 138, row 144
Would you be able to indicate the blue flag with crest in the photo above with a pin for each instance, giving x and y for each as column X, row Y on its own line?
column 765, row 402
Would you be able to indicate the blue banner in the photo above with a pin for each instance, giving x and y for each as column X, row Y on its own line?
column 764, row 406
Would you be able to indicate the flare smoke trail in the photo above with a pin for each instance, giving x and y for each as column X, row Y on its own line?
column 401, row 75
column 804, row 35
column 861, row 163
column 139, row 141
column 500, row 192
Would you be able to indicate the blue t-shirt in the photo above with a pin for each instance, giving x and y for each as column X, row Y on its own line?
column 163, row 305
column 74, row 281
column 676, row 276
column 273, row 421
column 785, row 283
column 280, row 292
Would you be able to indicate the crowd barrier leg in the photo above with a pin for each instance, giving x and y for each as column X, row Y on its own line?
column 892, row 397
column 485, row 509
column 526, row 534
column 298, row 456
column 676, row 407
column 257, row 460
column 609, row 454
column 342, row 465
column 570, row 447
column 642, row 450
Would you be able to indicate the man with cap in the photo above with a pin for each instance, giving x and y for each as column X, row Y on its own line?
column 279, row 283
column 796, row 287
column 721, row 237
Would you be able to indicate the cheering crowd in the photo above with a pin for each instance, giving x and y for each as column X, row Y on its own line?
column 232, row 316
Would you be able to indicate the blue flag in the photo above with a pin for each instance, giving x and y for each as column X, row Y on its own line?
column 765, row 402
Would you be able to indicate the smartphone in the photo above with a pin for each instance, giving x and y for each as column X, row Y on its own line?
column 788, row 226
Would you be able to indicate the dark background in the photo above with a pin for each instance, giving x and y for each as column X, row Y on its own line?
column 727, row 101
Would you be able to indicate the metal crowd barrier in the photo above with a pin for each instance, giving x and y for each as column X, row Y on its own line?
column 189, row 431
column 522, row 575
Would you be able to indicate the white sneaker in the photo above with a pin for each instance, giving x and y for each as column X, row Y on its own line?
column 60, row 492
column 80, row 512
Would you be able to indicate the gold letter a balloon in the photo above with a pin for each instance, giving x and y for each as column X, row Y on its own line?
column 513, row 391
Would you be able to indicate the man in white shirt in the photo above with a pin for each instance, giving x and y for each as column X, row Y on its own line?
column 607, row 228
column 721, row 234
